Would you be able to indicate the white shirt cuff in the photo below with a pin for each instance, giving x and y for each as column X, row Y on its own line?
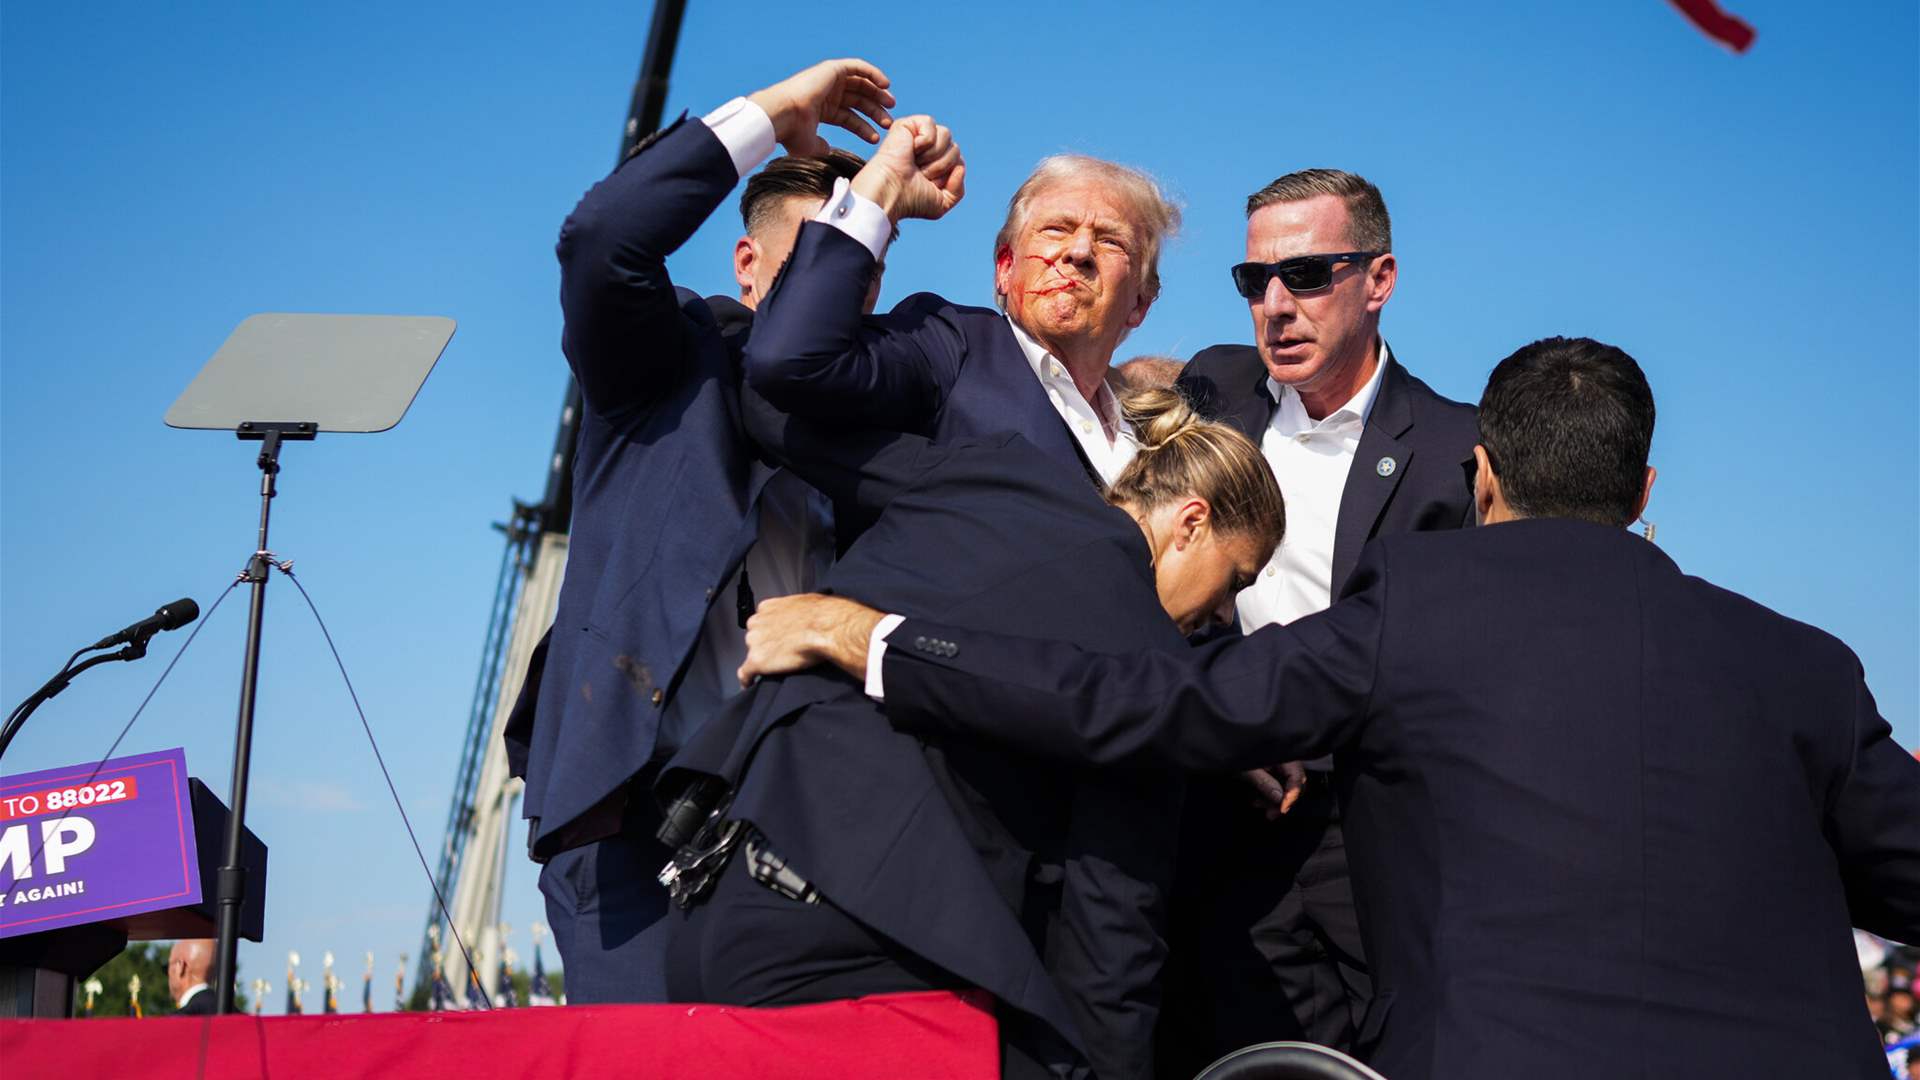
column 858, row 217
column 877, row 652
column 745, row 130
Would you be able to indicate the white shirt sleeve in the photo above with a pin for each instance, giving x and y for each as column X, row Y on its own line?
column 858, row 217
column 877, row 652
column 745, row 130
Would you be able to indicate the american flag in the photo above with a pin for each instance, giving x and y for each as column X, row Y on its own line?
column 506, row 998
column 538, row 992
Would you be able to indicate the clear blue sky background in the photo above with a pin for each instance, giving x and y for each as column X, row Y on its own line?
column 1744, row 225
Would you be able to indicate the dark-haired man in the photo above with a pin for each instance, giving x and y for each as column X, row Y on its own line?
column 1579, row 784
column 677, row 520
column 1266, row 938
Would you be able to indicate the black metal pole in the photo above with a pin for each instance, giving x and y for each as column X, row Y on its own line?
column 644, row 111
column 232, row 884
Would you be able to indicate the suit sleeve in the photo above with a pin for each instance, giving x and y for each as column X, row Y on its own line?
column 1873, row 824
column 1282, row 693
column 626, row 338
column 813, row 355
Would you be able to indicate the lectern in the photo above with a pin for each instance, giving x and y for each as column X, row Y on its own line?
column 96, row 855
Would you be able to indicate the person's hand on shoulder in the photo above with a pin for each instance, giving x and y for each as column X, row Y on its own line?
column 793, row 633
column 844, row 93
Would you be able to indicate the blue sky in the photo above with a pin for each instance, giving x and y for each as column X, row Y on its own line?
column 1746, row 226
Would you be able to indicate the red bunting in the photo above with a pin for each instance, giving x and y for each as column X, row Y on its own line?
column 1730, row 30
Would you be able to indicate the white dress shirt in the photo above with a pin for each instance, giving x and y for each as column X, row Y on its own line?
column 1311, row 459
column 1102, row 432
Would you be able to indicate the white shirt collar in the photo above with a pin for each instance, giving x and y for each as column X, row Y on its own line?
column 1049, row 370
column 1293, row 413
column 188, row 995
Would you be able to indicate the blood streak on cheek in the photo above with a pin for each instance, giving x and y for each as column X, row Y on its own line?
column 1063, row 285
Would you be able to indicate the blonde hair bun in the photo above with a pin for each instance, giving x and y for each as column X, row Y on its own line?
column 1184, row 454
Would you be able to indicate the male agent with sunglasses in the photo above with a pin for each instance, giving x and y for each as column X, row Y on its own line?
column 1266, row 942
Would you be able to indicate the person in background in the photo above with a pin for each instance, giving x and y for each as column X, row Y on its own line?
column 1150, row 372
column 1897, row 1020
column 189, row 975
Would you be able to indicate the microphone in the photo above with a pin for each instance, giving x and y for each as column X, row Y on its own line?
column 170, row 617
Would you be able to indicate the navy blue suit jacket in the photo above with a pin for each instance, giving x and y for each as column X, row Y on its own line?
column 1428, row 438
column 928, row 367
column 1604, row 819
column 1042, row 885
column 664, row 488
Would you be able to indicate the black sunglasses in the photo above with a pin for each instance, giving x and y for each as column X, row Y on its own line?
column 1302, row 274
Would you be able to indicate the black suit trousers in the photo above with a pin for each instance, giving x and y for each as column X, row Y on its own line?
column 1265, row 939
column 748, row 945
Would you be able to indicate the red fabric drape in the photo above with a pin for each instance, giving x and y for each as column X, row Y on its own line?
column 1730, row 30
column 926, row 1036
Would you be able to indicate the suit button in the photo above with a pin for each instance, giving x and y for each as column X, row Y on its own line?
column 920, row 643
column 659, row 696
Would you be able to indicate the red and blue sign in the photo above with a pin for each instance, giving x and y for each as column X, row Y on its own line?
column 96, row 842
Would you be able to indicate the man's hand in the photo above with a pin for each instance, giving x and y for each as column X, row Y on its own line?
column 831, row 92
column 916, row 173
column 1279, row 787
column 793, row 633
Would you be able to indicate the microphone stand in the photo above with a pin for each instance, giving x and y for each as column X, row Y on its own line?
column 17, row 719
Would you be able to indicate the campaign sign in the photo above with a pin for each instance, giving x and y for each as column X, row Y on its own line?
column 91, row 843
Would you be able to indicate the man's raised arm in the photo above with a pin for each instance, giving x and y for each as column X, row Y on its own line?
column 811, row 353
column 625, row 338
column 1283, row 693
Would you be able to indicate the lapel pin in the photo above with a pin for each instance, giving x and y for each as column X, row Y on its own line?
column 1385, row 466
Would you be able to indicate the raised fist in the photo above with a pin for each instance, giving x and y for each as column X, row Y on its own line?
column 916, row 173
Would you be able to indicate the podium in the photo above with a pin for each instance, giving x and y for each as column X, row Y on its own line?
column 80, row 880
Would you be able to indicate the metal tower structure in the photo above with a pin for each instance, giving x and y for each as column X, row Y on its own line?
column 481, row 819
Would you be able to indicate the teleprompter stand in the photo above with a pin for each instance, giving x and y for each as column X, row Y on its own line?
column 335, row 373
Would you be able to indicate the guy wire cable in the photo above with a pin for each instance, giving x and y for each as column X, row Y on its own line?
column 473, row 975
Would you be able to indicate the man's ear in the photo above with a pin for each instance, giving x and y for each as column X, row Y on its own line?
column 746, row 253
column 1139, row 313
column 1003, row 271
column 1646, row 494
column 1485, row 483
column 1380, row 281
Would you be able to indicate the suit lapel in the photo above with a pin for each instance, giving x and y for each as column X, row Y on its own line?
column 1378, row 466
column 1032, row 413
column 1239, row 397
column 1250, row 410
